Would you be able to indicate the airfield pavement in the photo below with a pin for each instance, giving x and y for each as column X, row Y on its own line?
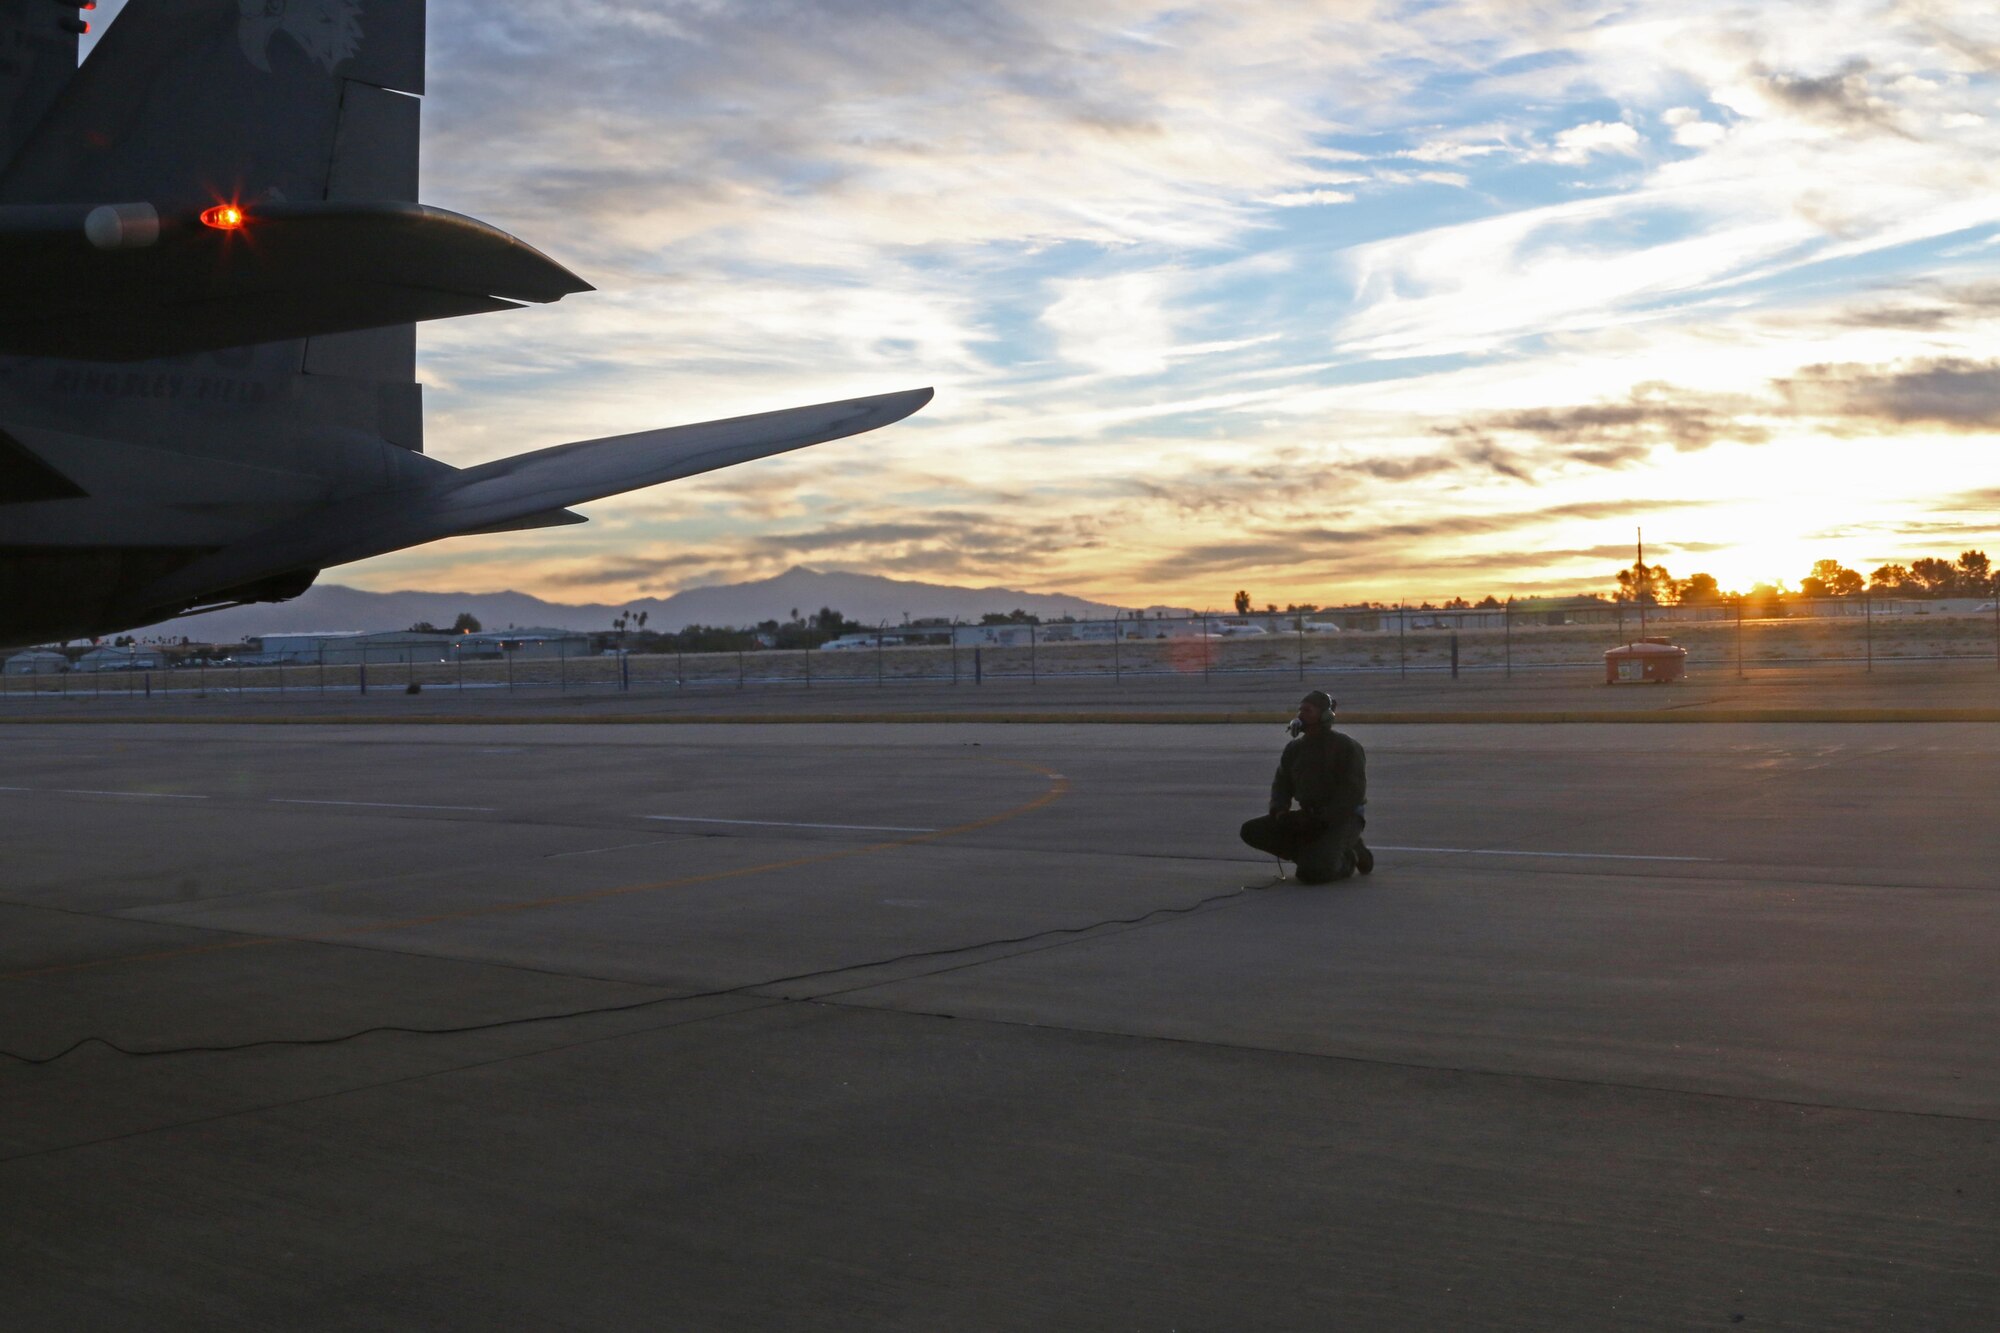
column 970, row 1025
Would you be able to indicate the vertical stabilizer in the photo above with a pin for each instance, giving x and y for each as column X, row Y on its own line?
column 187, row 103
column 37, row 59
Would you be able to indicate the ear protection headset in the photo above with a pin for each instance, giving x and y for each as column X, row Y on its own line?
column 1324, row 702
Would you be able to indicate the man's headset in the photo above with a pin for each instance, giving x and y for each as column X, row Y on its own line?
column 1324, row 702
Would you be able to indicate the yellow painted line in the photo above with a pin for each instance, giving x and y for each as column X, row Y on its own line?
column 1058, row 787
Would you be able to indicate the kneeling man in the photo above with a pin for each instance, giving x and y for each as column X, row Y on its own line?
column 1328, row 774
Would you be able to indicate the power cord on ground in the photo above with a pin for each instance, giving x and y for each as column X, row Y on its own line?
column 151, row 1053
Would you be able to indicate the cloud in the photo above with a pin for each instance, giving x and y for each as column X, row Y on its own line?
column 1690, row 130
column 1614, row 435
column 1384, row 468
column 1456, row 148
column 1167, row 264
column 1307, row 198
column 1392, row 542
column 1952, row 393
column 1117, row 325
column 627, row 569
column 1579, row 143
column 1943, row 308
column 1844, row 98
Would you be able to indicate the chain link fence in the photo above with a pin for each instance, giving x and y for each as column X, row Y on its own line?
column 1405, row 639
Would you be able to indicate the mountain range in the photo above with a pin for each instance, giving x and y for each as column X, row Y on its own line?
column 867, row 598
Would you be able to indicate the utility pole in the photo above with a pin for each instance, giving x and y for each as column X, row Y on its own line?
column 1641, row 584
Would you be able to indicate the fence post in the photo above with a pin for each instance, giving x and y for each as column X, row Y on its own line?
column 954, row 650
column 1034, row 673
column 1402, row 639
column 1739, row 636
column 1204, row 647
column 1868, row 613
column 878, row 653
column 1299, row 623
column 1507, row 634
column 739, row 668
column 1454, row 654
column 1117, row 633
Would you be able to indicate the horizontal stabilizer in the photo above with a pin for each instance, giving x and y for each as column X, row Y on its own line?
column 551, row 518
column 123, row 282
column 499, row 494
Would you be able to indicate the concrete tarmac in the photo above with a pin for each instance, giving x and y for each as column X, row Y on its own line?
column 978, row 1026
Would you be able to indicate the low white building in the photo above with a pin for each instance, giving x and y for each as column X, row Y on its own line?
column 520, row 644
column 353, row 647
column 37, row 662
column 119, row 659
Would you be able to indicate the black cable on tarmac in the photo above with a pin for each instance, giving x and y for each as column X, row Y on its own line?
column 153, row 1053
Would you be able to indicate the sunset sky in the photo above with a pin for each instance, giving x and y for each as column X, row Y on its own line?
column 1328, row 302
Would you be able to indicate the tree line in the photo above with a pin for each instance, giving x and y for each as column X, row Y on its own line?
column 1971, row 575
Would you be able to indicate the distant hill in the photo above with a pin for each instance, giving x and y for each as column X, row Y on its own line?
column 867, row 598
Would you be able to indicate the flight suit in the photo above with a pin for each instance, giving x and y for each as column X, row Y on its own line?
column 1327, row 773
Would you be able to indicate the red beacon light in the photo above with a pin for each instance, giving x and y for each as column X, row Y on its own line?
column 223, row 217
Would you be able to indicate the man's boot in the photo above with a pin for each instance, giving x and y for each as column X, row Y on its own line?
column 1364, row 860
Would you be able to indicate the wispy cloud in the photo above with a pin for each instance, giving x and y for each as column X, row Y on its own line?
column 1951, row 393
column 1414, row 291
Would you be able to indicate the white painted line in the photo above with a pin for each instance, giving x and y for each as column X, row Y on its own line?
column 786, row 823
column 149, row 795
column 1580, row 856
column 620, row 847
column 383, row 805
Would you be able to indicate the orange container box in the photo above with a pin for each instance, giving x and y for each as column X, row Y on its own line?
column 1645, row 661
